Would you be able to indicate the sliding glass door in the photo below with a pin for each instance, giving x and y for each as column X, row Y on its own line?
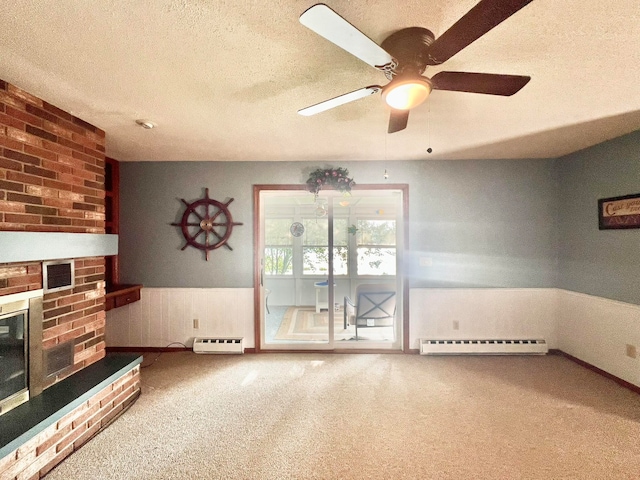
column 330, row 275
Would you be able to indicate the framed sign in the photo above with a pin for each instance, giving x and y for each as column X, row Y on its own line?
column 619, row 212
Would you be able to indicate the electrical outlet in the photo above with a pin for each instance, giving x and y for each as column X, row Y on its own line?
column 196, row 323
column 456, row 325
column 632, row 351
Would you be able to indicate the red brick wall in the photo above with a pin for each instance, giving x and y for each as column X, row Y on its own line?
column 51, row 167
column 78, row 315
column 20, row 277
column 52, row 179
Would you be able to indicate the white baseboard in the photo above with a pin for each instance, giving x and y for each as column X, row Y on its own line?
column 483, row 313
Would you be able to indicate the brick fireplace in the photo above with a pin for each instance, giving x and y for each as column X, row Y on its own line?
column 52, row 180
column 52, row 177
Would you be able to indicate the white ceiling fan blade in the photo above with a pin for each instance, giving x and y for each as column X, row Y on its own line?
column 341, row 100
column 328, row 24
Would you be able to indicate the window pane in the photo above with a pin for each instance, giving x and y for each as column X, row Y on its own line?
column 340, row 232
column 278, row 261
column 315, row 231
column 376, row 261
column 276, row 231
column 340, row 260
column 376, row 232
column 316, row 260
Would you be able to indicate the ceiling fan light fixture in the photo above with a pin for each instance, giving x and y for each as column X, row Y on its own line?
column 405, row 94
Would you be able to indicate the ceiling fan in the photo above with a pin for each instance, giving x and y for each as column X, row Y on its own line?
column 404, row 56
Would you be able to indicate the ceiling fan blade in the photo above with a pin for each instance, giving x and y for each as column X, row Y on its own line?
column 398, row 120
column 341, row 100
column 328, row 24
column 489, row 83
column 475, row 23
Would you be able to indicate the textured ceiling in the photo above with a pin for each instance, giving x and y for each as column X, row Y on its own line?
column 223, row 79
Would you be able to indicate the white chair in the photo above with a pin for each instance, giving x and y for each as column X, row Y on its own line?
column 375, row 307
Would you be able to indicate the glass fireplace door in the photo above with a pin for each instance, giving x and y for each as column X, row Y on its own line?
column 13, row 358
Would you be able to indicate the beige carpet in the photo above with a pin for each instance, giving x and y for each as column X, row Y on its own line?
column 358, row 416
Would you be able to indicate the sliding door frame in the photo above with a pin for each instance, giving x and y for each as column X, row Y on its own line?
column 258, row 274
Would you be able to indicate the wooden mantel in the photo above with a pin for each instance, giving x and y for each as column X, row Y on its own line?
column 120, row 295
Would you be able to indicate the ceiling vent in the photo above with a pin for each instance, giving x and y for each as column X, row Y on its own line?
column 58, row 275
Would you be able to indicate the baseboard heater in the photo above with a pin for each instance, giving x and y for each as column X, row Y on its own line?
column 483, row 347
column 218, row 345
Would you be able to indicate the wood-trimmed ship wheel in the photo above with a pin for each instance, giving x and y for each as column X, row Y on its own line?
column 209, row 217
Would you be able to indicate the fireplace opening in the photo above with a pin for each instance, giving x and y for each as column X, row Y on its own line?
column 14, row 345
column 20, row 348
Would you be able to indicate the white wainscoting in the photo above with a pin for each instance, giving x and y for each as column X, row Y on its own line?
column 165, row 315
column 483, row 313
column 597, row 330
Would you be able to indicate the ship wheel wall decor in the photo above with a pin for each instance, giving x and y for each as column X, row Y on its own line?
column 206, row 224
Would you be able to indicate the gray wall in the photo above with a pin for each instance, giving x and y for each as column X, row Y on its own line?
column 605, row 263
column 484, row 223
column 481, row 223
